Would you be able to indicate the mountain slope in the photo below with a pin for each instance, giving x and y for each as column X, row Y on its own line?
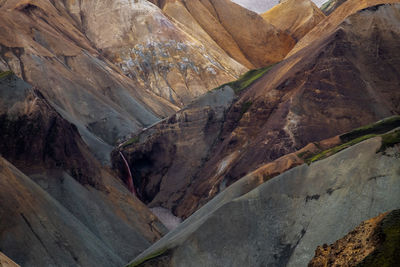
column 152, row 50
column 73, row 59
column 59, row 205
column 330, row 24
column 328, row 88
column 295, row 17
column 259, row 45
column 280, row 222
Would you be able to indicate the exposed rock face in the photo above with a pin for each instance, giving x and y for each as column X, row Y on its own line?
column 259, row 44
column 47, row 50
column 66, row 49
column 166, row 156
column 282, row 221
column 373, row 243
column 329, row 25
column 297, row 17
column 326, row 89
column 152, row 50
column 64, row 209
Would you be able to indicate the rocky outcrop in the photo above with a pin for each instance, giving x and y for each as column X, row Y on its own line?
column 59, row 205
column 326, row 89
column 280, row 222
column 373, row 243
column 258, row 45
column 295, row 17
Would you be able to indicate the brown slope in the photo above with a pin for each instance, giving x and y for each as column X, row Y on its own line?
column 6, row 262
column 328, row 88
column 152, row 50
column 48, row 51
column 258, row 43
column 373, row 243
column 330, row 24
column 82, row 215
column 295, row 17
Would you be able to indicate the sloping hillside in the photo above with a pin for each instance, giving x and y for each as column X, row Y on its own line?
column 326, row 89
column 295, row 17
column 280, row 222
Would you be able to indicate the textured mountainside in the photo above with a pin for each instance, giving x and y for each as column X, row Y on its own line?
column 59, row 206
column 325, row 89
column 282, row 221
column 372, row 243
column 297, row 17
column 68, row 51
column 152, row 50
column 259, row 44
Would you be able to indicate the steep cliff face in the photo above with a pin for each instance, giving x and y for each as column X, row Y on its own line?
column 59, row 205
column 280, row 222
column 326, row 89
column 259, row 44
column 295, row 17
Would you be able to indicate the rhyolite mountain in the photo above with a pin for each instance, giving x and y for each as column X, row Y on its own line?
column 259, row 44
column 280, row 221
column 59, row 205
column 297, row 17
column 327, row 88
column 110, row 73
column 119, row 119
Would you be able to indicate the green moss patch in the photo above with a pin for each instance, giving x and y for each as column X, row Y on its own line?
column 334, row 150
column 387, row 254
column 380, row 127
column 389, row 140
column 5, row 74
column 149, row 257
column 247, row 79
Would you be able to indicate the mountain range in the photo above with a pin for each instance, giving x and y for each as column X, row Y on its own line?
column 199, row 133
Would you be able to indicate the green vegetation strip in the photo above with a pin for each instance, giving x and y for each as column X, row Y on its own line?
column 5, row 74
column 149, row 257
column 334, row 150
column 387, row 254
column 380, row 127
column 247, row 79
